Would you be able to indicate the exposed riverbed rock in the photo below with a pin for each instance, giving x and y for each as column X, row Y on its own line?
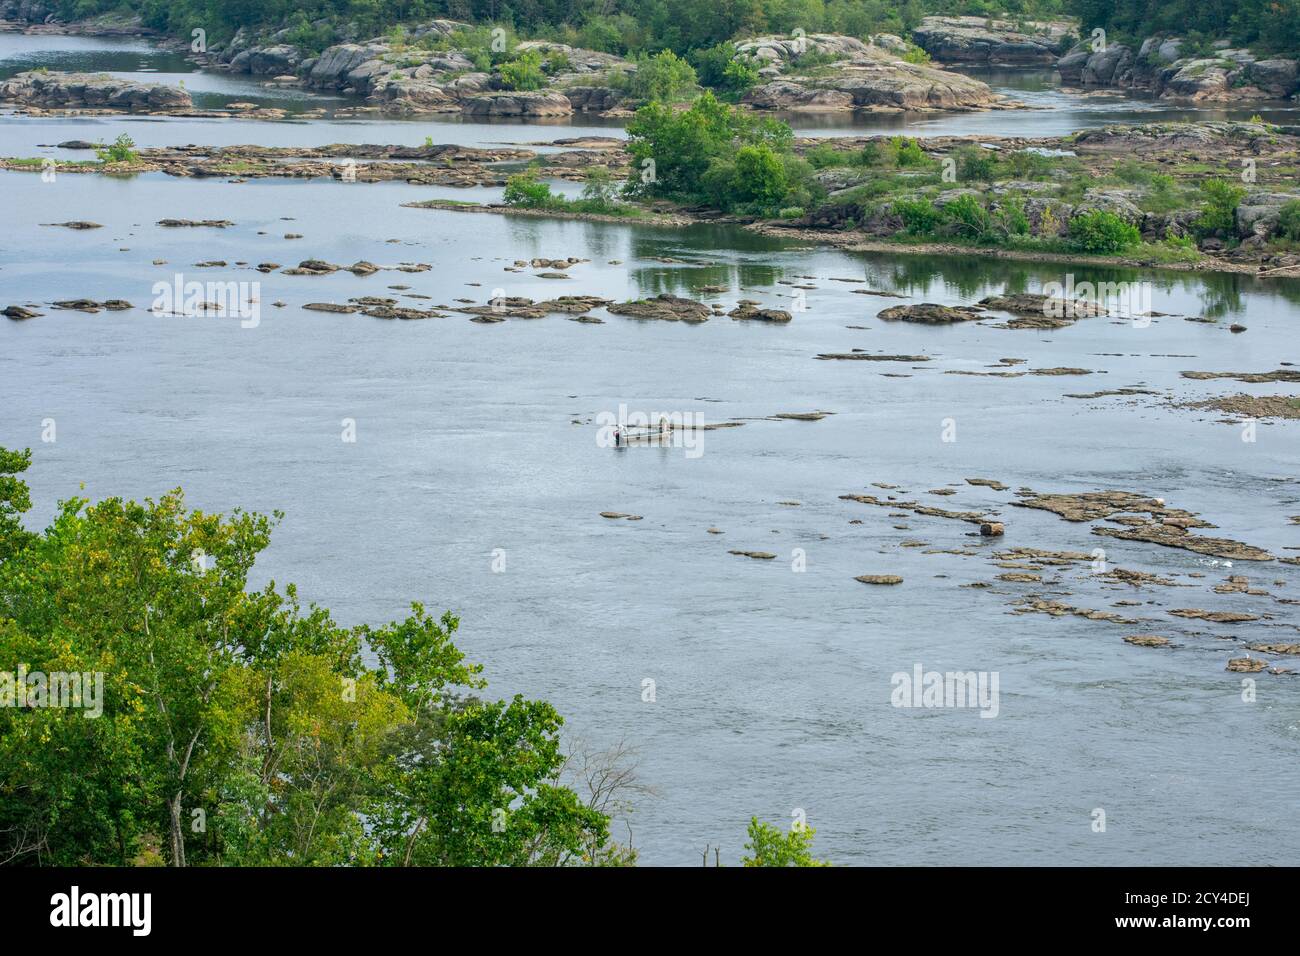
column 663, row 306
column 981, row 41
column 54, row 90
column 748, row 310
column 1147, row 640
column 931, row 313
column 1253, row 406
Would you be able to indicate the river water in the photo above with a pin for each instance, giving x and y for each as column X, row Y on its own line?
column 477, row 445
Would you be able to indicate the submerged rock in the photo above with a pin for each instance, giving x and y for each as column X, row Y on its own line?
column 879, row 579
column 1147, row 640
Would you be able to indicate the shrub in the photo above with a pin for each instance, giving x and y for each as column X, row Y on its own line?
column 557, row 62
column 720, row 68
column 908, row 152
column 824, row 154
column 523, row 73
column 792, row 212
column 1011, row 218
column 920, row 217
column 1219, row 214
column 1103, row 232
column 526, row 191
column 965, row 216
column 663, row 78
column 760, row 176
column 122, row 150
column 1288, row 220
column 976, row 164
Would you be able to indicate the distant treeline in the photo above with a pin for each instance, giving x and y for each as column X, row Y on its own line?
column 1270, row 25
column 614, row 26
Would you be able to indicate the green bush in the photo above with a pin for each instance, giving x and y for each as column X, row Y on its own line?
column 975, row 164
column 722, row 69
column 526, row 191
column 920, row 217
column 1102, row 232
column 908, row 152
column 966, row 217
column 1288, row 220
column 1219, row 212
column 557, row 62
column 662, row 78
column 523, row 73
column 121, row 150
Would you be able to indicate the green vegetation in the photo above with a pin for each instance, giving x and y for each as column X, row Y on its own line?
column 664, row 78
column 599, row 195
column 1266, row 25
column 623, row 27
column 1100, row 231
column 524, row 72
column 720, row 69
column 768, row 846
column 1219, row 214
column 1289, row 220
column 712, row 153
column 121, row 150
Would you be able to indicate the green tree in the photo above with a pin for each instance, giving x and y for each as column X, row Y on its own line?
column 768, row 846
column 239, row 727
column 523, row 73
column 662, row 78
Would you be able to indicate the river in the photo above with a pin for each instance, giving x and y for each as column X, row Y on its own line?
column 772, row 683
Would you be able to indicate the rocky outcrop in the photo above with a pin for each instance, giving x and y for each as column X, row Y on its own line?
column 276, row 60
column 981, row 41
column 780, row 50
column 50, row 90
column 540, row 103
column 1258, row 212
column 415, row 80
column 1159, row 66
column 864, row 76
column 593, row 99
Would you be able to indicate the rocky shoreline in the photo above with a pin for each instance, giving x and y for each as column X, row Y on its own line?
column 1159, row 67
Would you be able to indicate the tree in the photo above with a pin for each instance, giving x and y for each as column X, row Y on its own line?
column 768, row 846
column 239, row 727
column 15, row 501
column 523, row 73
column 662, row 78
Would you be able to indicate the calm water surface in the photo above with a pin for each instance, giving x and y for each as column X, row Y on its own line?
column 772, row 686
